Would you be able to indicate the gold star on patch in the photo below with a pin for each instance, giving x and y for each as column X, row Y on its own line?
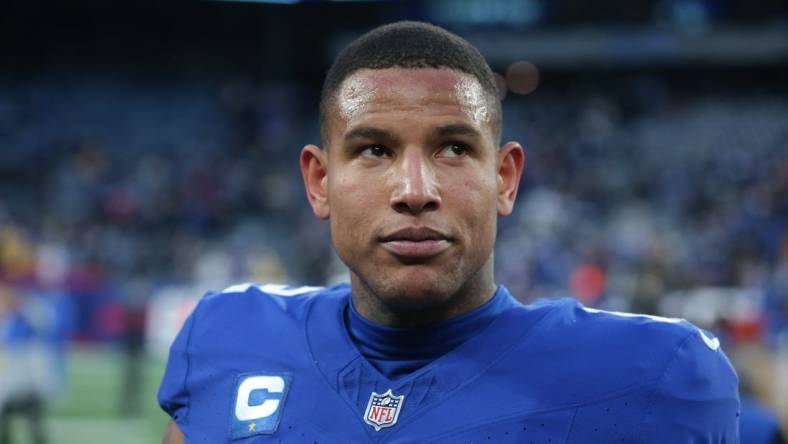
column 252, row 426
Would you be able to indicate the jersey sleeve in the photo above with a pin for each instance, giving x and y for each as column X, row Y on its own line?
column 173, row 393
column 696, row 399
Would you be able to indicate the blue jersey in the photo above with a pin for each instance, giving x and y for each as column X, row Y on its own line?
column 276, row 365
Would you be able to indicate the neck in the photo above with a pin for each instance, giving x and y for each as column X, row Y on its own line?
column 433, row 308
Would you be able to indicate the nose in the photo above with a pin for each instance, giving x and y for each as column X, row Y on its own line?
column 416, row 188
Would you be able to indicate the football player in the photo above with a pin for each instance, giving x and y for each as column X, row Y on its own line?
column 422, row 346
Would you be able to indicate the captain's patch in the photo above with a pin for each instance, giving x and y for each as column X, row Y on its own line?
column 259, row 401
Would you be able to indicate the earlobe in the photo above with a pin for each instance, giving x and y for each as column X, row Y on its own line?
column 511, row 160
column 314, row 169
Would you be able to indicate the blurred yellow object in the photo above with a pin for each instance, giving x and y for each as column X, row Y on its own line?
column 16, row 252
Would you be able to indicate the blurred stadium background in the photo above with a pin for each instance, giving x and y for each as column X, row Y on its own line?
column 148, row 153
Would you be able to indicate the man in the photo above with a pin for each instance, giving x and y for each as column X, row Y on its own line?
column 422, row 346
column 27, row 373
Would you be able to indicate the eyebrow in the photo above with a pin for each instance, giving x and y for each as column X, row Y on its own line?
column 368, row 132
column 456, row 129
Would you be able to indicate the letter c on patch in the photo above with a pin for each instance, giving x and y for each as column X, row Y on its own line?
column 246, row 412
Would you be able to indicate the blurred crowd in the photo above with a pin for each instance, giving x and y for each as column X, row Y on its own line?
column 633, row 189
column 113, row 189
column 629, row 197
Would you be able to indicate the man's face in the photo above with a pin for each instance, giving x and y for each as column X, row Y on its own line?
column 412, row 183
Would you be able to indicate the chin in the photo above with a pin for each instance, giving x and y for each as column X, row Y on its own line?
column 412, row 290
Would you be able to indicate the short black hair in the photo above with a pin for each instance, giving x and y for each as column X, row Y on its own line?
column 409, row 44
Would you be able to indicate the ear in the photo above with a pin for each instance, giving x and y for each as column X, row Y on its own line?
column 511, row 160
column 314, row 169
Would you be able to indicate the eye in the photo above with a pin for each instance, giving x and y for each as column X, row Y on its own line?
column 374, row 151
column 453, row 149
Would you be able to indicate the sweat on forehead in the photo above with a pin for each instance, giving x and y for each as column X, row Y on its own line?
column 408, row 45
column 424, row 86
column 369, row 89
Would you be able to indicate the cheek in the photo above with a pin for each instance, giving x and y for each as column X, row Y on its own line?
column 477, row 194
column 477, row 202
column 351, row 200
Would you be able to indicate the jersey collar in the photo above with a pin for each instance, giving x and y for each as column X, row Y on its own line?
column 332, row 350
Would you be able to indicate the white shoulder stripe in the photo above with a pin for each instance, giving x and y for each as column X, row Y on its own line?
column 277, row 289
column 237, row 288
column 286, row 290
column 712, row 343
column 635, row 315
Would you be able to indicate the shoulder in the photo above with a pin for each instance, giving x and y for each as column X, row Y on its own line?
column 248, row 299
column 568, row 320
column 692, row 389
column 243, row 308
column 680, row 346
column 628, row 349
column 673, row 376
column 243, row 328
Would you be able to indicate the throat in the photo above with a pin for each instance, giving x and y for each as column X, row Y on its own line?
column 394, row 309
column 398, row 352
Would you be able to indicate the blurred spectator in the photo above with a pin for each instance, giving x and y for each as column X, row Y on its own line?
column 757, row 424
column 133, row 345
column 26, row 374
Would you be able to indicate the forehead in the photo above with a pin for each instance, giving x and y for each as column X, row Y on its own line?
column 426, row 91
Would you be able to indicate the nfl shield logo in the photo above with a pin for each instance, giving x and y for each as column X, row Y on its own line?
column 383, row 410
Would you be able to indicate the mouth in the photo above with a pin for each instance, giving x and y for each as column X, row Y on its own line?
column 415, row 242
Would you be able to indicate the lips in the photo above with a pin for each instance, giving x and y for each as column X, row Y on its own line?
column 415, row 242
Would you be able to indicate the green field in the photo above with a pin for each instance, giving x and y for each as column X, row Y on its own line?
column 90, row 411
